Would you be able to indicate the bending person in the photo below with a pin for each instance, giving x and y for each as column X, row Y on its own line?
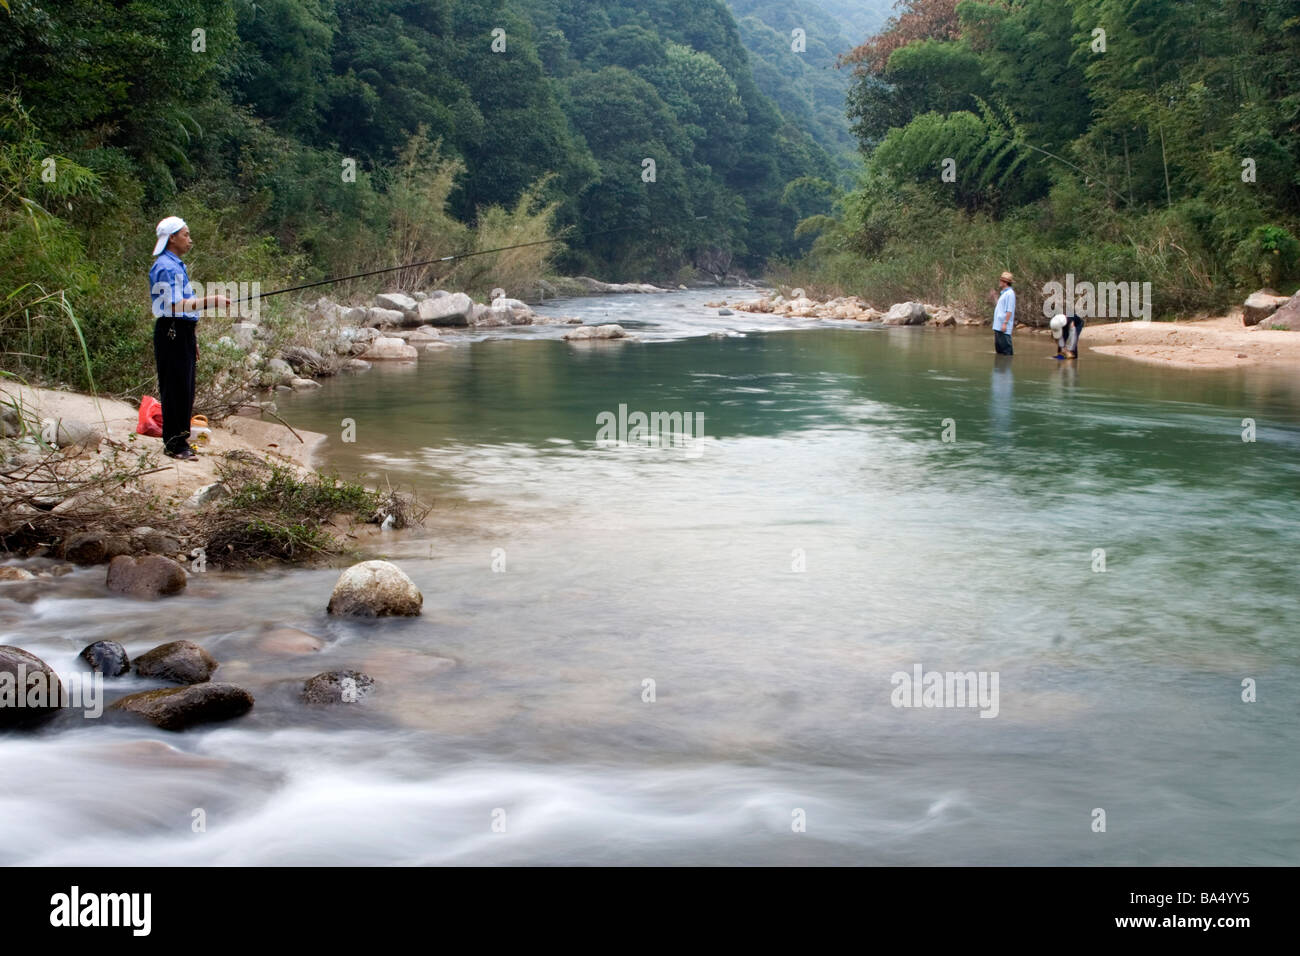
column 1066, row 331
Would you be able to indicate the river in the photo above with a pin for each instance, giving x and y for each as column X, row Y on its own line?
column 687, row 653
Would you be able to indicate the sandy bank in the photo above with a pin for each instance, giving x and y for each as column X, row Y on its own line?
column 1211, row 343
column 178, row 479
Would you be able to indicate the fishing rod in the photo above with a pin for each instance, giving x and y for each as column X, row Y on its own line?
column 425, row 262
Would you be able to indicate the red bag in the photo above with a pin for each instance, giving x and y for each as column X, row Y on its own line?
column 150, row 417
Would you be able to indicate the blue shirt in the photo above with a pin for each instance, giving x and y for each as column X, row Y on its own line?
column 169, row 283
column 1004, row 316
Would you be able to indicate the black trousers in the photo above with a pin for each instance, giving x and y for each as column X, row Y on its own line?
column 174, row 357
column 1001, row 342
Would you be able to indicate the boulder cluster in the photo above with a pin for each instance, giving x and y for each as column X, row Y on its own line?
column 142, row 562
column 188, row 695
column 395, row 326
column 1266, row 309
column 398, row 326
column 849, row 307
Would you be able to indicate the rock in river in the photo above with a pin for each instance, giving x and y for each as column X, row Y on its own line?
column 384, row 349
column 337, row 687
column 451, row 310
column 175, row 708
column 107, row 657
column 182, row 662
column 289, row 640
column 94, row 547
column 148, row 577
column 30, row 691
column 905, row 313
column 375, row 589
column 584, row 332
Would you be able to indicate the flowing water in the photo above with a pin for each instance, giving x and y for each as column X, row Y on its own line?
column 684, row 653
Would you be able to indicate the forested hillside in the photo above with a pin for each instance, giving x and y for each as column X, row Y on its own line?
column 669, row 80
column 800, row 72
column 1117, row 140
column 310, row 137
column 858, row 18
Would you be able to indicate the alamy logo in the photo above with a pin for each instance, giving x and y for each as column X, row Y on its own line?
column 946, row 689
column 103, row 909
column 1098, row 300
column 41, row 691
column 655, row 430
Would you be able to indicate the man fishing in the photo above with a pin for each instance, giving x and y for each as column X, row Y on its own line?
column 1004, row 315
column 176, row 310
column 175, row 339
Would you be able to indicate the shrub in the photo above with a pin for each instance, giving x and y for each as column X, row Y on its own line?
column 1267, row 257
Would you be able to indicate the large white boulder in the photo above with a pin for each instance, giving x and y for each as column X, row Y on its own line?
column 586, row 332
column 388, row 349
column 1260, row 305
column 446, row 310
column 517, row 311
column 73, row 435
column 398, row 301
column 905, row 313
column 375, row 589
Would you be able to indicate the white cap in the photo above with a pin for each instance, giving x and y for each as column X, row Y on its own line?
column 1058, row 323
column 165, row 230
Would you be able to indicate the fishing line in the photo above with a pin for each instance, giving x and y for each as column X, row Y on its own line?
column 425, row 262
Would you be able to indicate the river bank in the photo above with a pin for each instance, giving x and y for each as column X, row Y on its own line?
column 115, row 423
column 1217, row 342
column 78, row 484
column 1210, row 343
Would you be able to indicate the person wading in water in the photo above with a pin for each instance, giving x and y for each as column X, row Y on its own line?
column 175, row 339
column 1004, row 315
column 1066, row 330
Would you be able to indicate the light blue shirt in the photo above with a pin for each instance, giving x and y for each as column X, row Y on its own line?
column 1004, row 316
column 169, row 283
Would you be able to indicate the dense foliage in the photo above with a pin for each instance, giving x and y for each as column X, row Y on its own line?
column 1118, row 140
column 283, row 131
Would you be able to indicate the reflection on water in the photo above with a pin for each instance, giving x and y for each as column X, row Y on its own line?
column 825, row 537
column 1001, row 395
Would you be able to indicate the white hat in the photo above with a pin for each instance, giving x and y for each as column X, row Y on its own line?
column 165, row 230
column 1058, row 323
